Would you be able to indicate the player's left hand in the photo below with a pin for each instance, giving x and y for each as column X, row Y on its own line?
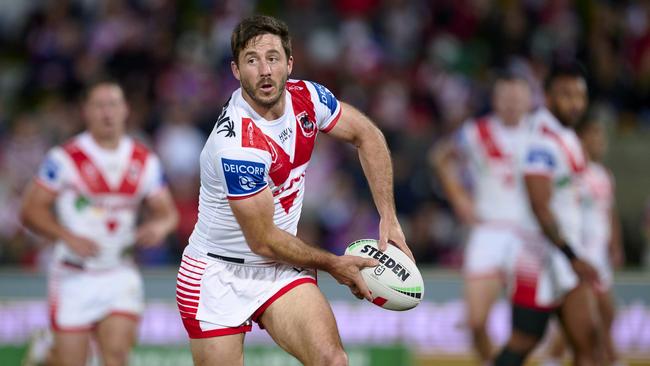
column 150, row 234
column 390, row 231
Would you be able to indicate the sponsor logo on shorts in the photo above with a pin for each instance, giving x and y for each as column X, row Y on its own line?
column 386, row 262
column 242, row 176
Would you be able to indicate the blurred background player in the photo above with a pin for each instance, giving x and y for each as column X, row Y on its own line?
column 86, row 198
column 244, row 262
column 601, row 233
column 490, row 147
column 551, row 271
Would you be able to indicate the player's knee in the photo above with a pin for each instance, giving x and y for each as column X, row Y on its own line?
column 477, row 326
column 335, row 356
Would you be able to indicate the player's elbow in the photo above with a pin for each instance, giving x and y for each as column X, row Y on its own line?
column 368, row 135
column 25, row 216
column 260, row 244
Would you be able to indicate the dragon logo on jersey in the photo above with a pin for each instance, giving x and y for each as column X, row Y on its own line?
column 308, row 127
column 224, row 123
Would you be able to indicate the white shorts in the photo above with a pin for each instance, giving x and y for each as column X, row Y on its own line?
column 78, row 298
column 543, row 274
column 599, row 258
column 217, row 297
column 491, row 251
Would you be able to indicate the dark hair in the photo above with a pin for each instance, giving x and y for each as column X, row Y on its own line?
column 567, row 69
column 257, row 25
column 95, row 82
column 509, row 75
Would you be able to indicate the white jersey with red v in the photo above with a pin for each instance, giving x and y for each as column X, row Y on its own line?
column 492, row 151
column 554, row 151
column 246, row 153
column 99, row 192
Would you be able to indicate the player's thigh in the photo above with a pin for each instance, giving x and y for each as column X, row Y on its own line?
column 580, row 319
column 116, row 334
column 222, row 350
column 302, row 323
column 71, row 348
column 480, row 295
column 606, row 308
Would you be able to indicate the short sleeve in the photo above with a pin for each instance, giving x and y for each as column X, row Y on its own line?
column 326, row 106
column 154, row 179
column 51, row 174
column 540, row 158
column 463, row 139
column 243, row 172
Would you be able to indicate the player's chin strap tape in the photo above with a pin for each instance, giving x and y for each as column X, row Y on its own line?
column 227, row 259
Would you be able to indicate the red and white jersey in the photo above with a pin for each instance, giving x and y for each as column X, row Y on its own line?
column 597, row 200
column 555, row 151
column 246, row 153
column 99, row 192
column 493, row 151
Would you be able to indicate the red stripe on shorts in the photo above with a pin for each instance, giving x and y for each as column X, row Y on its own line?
column 190, row 271
column 191, row 265
column 196, row 260
column 195, row 285
column 194, row 330
column 277, row 295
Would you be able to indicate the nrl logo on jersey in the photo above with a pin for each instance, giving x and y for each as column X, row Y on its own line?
column 307, row 127
column 224, row 123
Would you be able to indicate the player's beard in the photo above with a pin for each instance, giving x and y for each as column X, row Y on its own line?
column 266, row 102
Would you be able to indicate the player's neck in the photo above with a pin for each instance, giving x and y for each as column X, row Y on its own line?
column 106, row 142
column 269, row 113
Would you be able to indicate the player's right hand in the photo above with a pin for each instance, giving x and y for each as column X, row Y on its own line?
column 346, row 270
column 585, row 271
column 82, row 246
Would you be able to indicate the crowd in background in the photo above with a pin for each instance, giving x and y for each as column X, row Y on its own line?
column 417, row 68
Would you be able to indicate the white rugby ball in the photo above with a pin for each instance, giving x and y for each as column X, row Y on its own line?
column 396, row 283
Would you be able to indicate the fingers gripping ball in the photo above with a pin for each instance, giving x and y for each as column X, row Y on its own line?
column 396, row 283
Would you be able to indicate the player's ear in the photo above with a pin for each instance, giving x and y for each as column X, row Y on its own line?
column 289, row 65
column 235, row 70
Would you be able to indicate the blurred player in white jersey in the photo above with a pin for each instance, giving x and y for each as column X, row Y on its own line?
column 551, row 271
column 490, row 147
column 601, row 234
column 244, row 263
column 86, row 198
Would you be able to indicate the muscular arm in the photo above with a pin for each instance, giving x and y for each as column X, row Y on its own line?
column 443, row 159
column 161, row 220
column 540, row 189
column 37, row 215
column 255, row 217
column 355, row 128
